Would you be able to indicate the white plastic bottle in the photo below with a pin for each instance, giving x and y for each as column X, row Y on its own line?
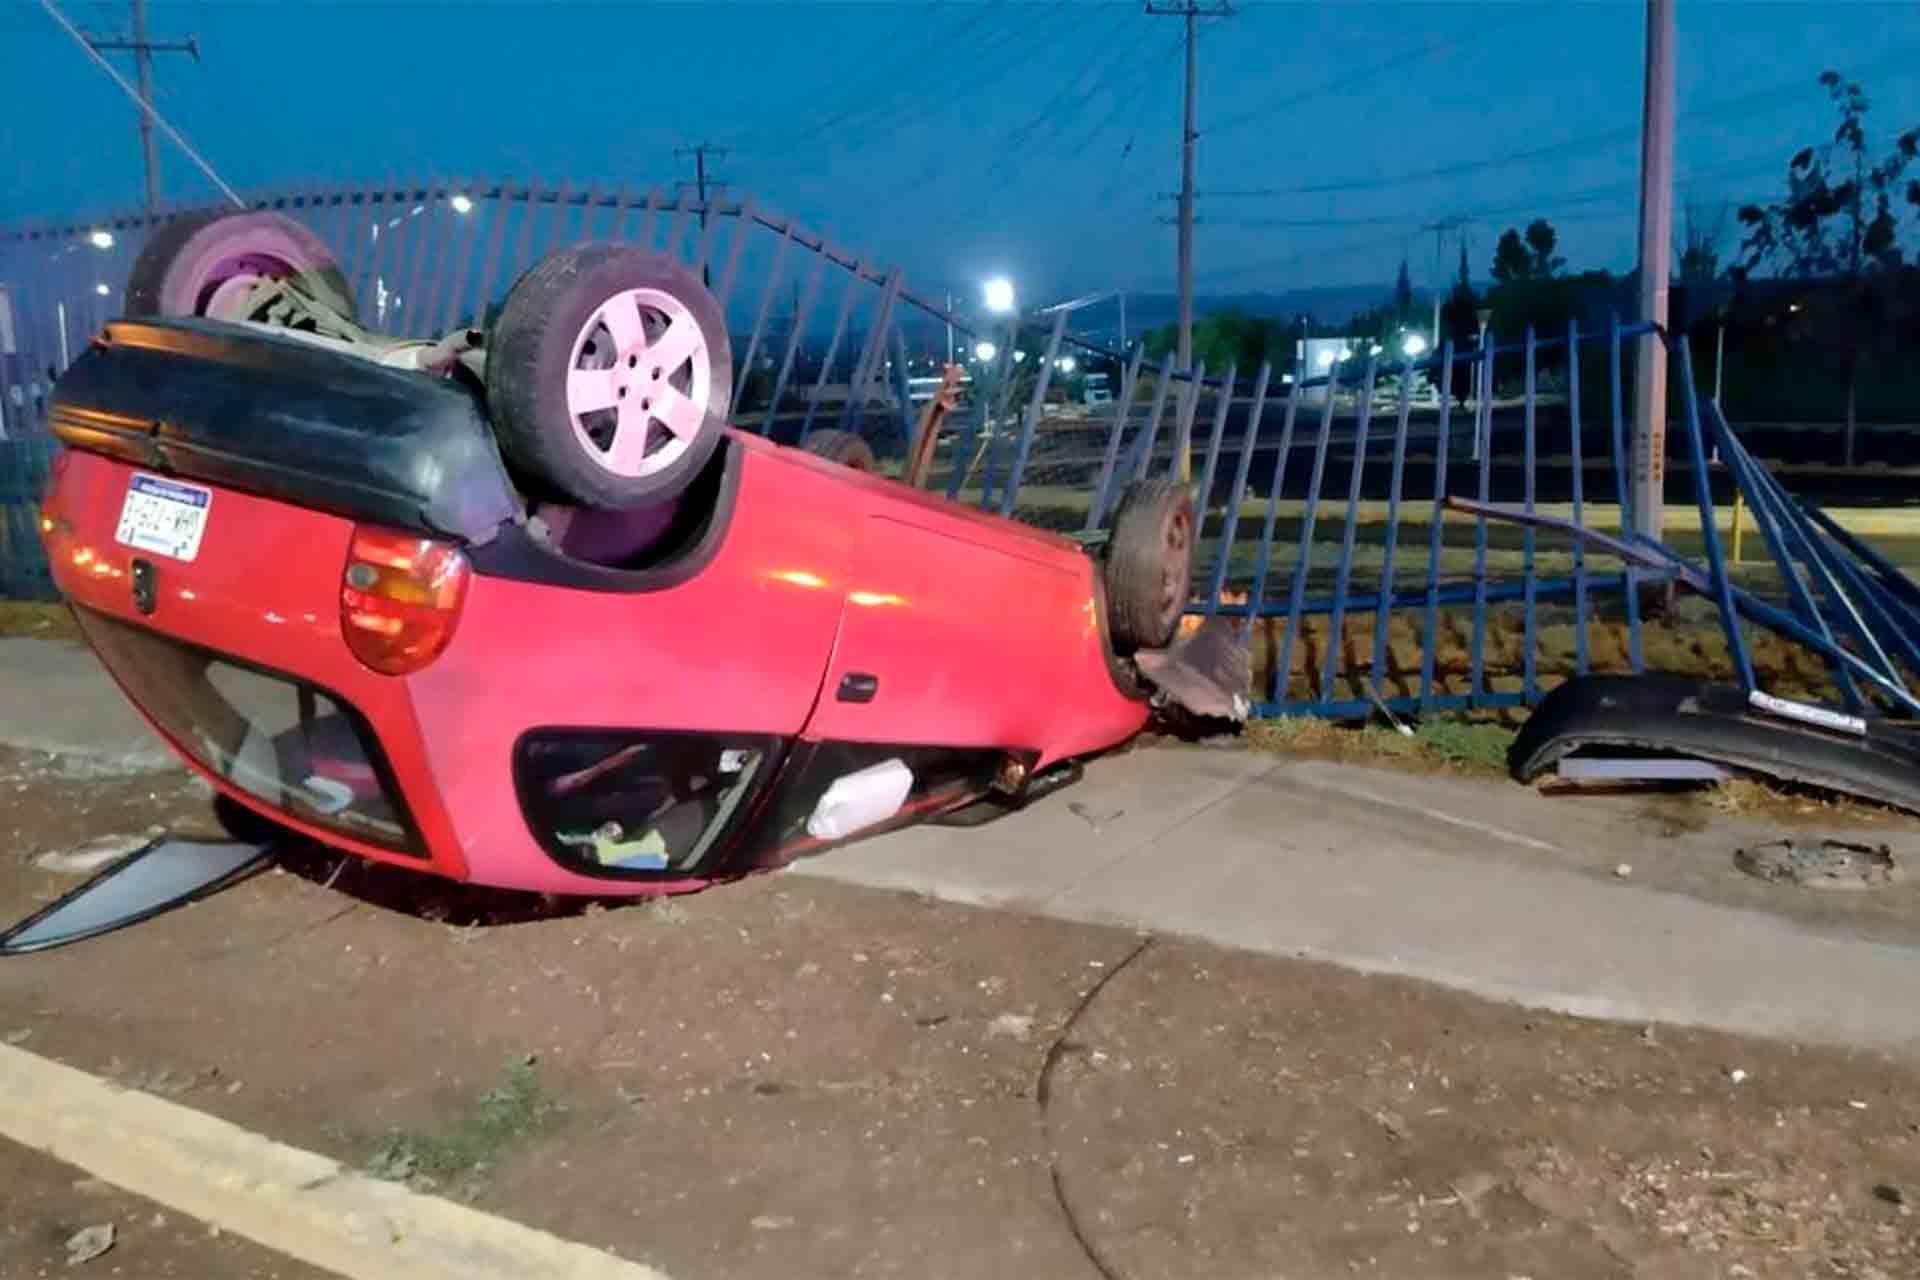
column 861, row 799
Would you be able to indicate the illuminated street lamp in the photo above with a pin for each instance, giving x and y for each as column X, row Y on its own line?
column 1414, row 346
column 998, row 293
column 1064, row 364
column 984, row 351
column 102, row 290
column 102, row 239
column 462, row 204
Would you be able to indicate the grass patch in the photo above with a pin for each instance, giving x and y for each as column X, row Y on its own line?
column 38, row 620
column 1468, row 746
column 459, row 1161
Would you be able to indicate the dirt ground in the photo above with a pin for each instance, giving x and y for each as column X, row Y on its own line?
column 792, row 1077
column 44, row 1203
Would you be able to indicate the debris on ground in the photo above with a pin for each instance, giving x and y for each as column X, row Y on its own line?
column 89, row 1243
column 1827, row 864
column 1010, row 1026
column 84, row 859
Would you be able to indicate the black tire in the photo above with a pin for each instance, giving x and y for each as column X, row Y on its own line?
column 1149, row 565
column 843, row 447
column 531, row 355
column 185, row 261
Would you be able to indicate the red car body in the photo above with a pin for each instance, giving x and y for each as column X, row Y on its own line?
column 822, row 621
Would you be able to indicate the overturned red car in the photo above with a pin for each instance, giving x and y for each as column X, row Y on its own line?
column 518, row 607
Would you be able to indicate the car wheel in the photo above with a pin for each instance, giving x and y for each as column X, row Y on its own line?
column 609, row 375
column 1149, row 567
column 205, row 264
column 843, row 447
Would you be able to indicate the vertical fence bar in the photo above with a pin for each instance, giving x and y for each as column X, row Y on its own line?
column 1343, row 570
column 703, row 250
column 1180, row 465
column 1442, row 451
column 1034, row 405
column 999, row 430
column 380, row 243
column 644, row 235
column 1122, row 410
column 339, row 230
column 1528, row 662
column 583, row 225
column 1623, row 491
column 1230, row 524
column 1483, row 432
column 742, row 231
column 1384, row 608
column 677, row 227
column 767, row 292
column 523, row 241
column 1150, row 430
column 1257, row 594
column 871, row 349
column 1580, row 654
column 1703, row 495
column 1297, row 595
column 419, row 247
column 833, row 347
column 617, row 219
column 1838, row 578
column 902, row 386
column 1214, row 438
column 801, row 311
column 451, row 242
column 454, row 305
column 498, row 214
column 1775, row 524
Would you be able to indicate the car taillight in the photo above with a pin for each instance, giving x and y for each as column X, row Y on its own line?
column 400, row 598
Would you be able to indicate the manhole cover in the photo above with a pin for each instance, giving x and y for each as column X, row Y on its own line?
column 1826, row 864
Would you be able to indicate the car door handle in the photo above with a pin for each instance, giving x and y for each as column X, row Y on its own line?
column 858, row 686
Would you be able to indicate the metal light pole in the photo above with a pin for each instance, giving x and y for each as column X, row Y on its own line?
column 1656, row 248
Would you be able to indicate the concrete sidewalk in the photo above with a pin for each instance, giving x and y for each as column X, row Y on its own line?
column 1475, row 884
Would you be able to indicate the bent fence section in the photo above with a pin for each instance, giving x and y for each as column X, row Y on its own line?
column 1403, row 535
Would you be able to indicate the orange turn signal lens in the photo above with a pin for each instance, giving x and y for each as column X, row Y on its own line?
column 400, row 599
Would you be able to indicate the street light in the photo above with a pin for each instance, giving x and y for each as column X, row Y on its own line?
column 102, row 239
column 1019, row 357
column 984, row 351
column 102, row 290
column 461, row 204
column 999, row 295
column 1064, row 364
column 1414, row 346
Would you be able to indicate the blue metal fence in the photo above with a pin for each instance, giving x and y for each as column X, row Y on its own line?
column 1391, row 544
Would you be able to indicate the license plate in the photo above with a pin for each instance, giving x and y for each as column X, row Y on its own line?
column 164, row 516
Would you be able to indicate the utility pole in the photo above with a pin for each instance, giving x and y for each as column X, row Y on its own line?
column 1440, row 229
column 143, row 50
column 1192, row 11
column 1656, row 246
column 699, row 151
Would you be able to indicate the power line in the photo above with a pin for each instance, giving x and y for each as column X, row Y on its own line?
column 143, row 49
column 1904, row 61
column 144, row 101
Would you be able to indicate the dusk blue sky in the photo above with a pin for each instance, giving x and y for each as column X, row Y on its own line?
column 967, row 137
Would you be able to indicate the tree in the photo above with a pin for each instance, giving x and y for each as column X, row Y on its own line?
column 1403, row 291
column 1698, row 243
column 1511, row 261
column 1541, row 240
column 1836, row 221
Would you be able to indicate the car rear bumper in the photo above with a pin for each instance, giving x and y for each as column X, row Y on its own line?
column 267, row 605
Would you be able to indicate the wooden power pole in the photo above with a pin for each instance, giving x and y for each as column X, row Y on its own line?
column 1192, row 11
column 143, row 50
